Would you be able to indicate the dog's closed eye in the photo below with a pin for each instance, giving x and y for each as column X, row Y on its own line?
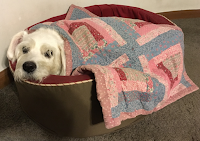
column 25, row 49
column 48, row 54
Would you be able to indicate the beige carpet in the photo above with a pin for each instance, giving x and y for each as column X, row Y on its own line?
column 179, row 121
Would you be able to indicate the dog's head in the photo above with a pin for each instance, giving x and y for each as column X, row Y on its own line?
column 38, row 54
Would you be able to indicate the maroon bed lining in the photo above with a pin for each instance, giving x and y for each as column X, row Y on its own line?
column 104, row 10
column 127, row 12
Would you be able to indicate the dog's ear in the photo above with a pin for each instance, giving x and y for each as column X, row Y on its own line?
column 63, row 60
column 14, row 42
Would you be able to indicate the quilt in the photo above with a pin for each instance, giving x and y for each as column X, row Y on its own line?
column 138, row 66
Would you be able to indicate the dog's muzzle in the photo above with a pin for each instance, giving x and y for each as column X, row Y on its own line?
column 29, row 66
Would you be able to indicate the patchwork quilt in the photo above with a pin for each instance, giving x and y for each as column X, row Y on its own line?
column 138, row 65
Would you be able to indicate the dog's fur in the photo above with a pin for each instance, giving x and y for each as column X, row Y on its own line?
column 38, row 54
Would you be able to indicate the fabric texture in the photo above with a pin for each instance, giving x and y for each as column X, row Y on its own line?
column 138, row 65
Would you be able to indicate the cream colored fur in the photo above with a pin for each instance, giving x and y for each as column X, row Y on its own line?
column 44, row 47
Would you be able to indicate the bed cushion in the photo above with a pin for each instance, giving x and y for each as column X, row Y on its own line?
column 138, row 65
column 130, row 81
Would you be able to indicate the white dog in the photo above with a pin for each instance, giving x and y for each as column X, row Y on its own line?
column 38, row 54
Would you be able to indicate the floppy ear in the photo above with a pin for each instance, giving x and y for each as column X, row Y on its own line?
column 63, row 60
column 14, row 42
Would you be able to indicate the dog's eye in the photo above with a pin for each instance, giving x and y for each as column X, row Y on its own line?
column 48, row 54
column 25, row 49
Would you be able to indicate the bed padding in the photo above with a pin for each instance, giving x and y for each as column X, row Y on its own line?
column 73, row 105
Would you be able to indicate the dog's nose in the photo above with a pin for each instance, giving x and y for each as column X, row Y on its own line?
column 29, row 66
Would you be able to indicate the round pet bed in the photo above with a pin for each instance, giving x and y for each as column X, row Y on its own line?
column 68, row 105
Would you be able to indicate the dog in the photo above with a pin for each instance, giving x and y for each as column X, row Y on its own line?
column 38, row 54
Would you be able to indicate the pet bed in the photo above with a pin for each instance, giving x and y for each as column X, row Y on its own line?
column 79, row 105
